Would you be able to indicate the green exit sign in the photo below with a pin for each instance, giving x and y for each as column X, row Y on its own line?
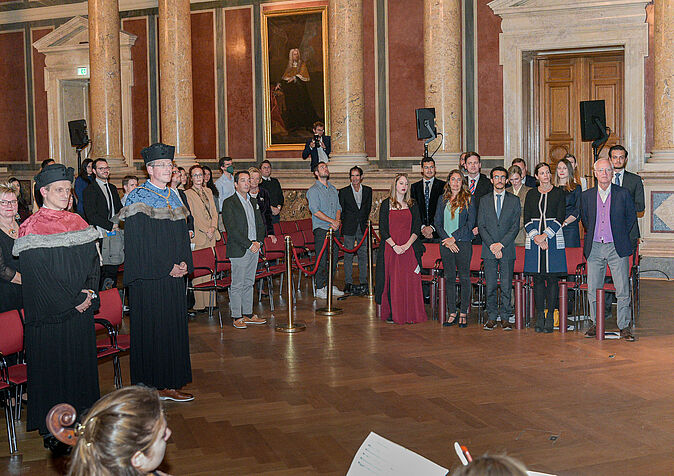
column 82, row 71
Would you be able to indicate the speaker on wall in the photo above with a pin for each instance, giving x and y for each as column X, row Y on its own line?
column 426, row 123
column 592, row 120
column 78, row 133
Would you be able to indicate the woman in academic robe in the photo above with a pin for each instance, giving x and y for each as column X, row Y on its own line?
column 202, row 206
column 545, row 257
column 399, row 262
column 59, row 272
column 10, row 277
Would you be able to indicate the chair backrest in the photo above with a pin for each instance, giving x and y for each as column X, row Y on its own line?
column 430, row 256
column 288, row 227
column 631, row 265
column 519, row 259
column 204, row 258
column 476, row 259
column 308, row 236
column 11, row 333
column 574, row 257
column 221, row 261
column 297, row 238
column 277, row 229
column 270, row 247
column 111, row 307
column 304, row 224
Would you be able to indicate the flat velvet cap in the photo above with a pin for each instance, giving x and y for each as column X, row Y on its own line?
column 157, row 151
column 54, row 173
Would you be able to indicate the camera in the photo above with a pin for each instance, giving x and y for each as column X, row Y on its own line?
column 316, row 139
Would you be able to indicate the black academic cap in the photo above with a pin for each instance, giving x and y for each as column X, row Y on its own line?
column 157, row 151
column 53, row 173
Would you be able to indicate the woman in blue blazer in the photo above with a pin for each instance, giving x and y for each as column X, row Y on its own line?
column 455, row 218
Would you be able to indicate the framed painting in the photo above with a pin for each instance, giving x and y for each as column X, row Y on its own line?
column 295, row 60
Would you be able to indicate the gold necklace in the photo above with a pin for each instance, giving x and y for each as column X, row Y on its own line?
column 160, row 195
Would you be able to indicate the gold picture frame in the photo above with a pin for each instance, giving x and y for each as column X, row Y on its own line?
column 292, row 105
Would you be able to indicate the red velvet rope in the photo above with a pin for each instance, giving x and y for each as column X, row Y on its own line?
column 318, row 259
column 376, row 236
column 346, row 250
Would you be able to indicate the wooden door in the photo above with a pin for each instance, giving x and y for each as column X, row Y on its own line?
column 562, row 82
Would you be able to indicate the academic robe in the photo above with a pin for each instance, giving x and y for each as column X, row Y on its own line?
column 58, row 257
column 156, row 238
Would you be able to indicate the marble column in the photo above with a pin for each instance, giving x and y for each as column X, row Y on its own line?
column 663, row 127
column 105, row 87
column 175, row 79
column 442, row 76
column 347, row 128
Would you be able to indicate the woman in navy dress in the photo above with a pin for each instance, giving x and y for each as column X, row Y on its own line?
column 564, row 179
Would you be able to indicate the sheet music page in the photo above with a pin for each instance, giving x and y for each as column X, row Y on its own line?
column 377, row 455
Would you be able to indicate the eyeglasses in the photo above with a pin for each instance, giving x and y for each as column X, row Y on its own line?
column 8, row 203
column 162, row 166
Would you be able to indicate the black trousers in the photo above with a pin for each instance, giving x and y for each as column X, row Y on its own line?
column 546, row 295
column 454, row 263
column 322, row 272
column 495, row 269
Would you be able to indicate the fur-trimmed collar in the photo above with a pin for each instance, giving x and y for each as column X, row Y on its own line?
column 173, row 214
column 57, row 240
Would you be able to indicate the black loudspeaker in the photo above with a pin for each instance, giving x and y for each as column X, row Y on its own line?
column 426, row 123
column 78, row 133
column 590, row 113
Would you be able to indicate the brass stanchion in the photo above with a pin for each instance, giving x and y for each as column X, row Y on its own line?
column 329, row 310
column 370, row 259
column 290, row 326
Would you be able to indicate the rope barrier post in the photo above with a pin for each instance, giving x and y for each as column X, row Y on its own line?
column 370, row 253
column 291, row 326
column 329, row 310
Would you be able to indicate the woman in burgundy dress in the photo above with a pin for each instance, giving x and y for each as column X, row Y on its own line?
column 398, row 267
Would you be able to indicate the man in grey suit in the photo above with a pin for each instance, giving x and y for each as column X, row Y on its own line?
column 498, row 221
column 245, row 234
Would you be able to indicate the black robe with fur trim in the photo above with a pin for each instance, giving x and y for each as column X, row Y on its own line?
column 155, row 240
column 60, row 341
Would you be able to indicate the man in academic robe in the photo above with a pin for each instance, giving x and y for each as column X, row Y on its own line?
column 157, row 259
column 59, row 272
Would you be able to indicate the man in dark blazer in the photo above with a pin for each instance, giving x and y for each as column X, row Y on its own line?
column 245, row 234
column 425, row 193
column 101, row 203
column 632, row 182
column 318, row 150
column 498, row 220
column 356, row 203
column 273, row 186
column 478, row 186
column 608, row 214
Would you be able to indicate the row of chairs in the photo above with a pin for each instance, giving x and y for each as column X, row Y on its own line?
column 576, row 282
column 13, row 369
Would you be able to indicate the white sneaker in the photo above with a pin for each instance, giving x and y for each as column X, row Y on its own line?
column 337, row 292
column 321, row 293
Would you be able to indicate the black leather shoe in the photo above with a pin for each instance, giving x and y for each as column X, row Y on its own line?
column 538, row 329
column 547, row 331
column 348, row 288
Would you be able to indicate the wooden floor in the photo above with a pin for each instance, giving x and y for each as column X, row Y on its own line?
column 270, row 403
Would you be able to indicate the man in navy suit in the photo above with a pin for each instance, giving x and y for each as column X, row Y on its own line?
column 320, row 149
column 608, row 214
column 498, row 220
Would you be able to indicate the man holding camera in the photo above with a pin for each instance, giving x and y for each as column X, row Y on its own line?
column 318, row 147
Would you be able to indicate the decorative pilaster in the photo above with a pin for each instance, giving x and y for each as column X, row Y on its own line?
column 663, row 127
column 345, row 21
column 442, row 76
column 105, row 87
column 175, row 74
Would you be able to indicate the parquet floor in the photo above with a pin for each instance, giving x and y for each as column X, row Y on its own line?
column 275, row 404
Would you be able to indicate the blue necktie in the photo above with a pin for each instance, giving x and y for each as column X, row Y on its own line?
column 617, row 180
column 498, row 205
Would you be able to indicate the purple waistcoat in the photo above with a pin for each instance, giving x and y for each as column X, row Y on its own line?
column 602, row 226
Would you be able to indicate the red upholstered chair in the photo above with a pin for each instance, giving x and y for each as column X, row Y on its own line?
column 575, row 267
column 304, row 224
column 274, row 251
column 277, row 229
column 288, row 227
column 477, row 279
column 431, row 260
column 206, row 263
column 12, row 377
